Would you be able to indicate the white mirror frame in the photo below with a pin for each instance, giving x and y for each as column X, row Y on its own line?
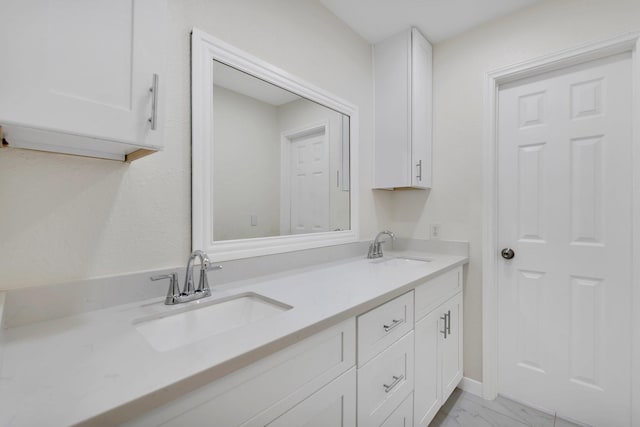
column 205, row 49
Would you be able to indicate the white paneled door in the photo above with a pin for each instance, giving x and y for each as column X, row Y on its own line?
column 565, row 214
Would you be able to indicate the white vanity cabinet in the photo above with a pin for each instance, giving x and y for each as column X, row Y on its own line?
column 385, row 361
column 77, row 76
column 380, row 369
column 451, row 346
column 312, row 382
column 438, row 343
column 332, row 406
column 403, row 416
column 403, row 111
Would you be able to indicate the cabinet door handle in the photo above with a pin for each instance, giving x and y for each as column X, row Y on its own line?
column 448, row 322
column 396, row 381
column 154, row 102
column 394, row 323
column 419, row 170
column 444, row 331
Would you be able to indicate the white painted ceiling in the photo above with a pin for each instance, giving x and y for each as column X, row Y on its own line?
column 438, row 20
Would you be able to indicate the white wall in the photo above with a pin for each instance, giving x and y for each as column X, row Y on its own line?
column 460, row 66
column 65, row 218
column 246, row 166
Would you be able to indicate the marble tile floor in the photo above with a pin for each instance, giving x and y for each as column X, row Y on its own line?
column 467, row 410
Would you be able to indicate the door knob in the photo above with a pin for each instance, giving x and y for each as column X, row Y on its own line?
column 507, row 253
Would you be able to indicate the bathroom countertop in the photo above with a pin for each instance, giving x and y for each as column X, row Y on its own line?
column 96, row 368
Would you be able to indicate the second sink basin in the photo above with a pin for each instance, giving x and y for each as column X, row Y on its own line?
column 400, row 260
column 175, row 329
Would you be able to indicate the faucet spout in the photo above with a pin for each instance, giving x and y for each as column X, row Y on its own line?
column 384, row 232
column 189, row 292
column 189, row 289
column 375, row 249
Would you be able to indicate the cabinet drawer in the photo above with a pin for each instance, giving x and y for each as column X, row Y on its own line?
column 402, row 416
column 382, row 326
column 435, row 291
column 282, row 379
column 332, row 406
column 385, row 382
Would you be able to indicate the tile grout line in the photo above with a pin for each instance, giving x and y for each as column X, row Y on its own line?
column 509, row 411
column 458, row 405
column 511, row 416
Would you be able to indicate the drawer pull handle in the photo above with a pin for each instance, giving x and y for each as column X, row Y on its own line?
column 394, row 323
column 447, row 324
column 396, row 381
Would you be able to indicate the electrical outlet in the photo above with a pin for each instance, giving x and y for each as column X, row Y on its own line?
column 254, row 220
column 434, row 232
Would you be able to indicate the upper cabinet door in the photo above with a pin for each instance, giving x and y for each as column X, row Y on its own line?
column 421, row 109
column 392, row 74
column 77, row 74
column 403, row 104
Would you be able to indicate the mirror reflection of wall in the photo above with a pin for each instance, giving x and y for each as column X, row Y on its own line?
column 280, row 162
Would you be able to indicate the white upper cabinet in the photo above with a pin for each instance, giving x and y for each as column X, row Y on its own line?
column 403, row 98
column 76, row 76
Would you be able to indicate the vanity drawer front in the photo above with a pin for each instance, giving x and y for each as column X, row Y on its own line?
column 385, row 382
column 332, row 406
column 435, row 291
column 402, row 416
column 382, row 326
column 279, row 381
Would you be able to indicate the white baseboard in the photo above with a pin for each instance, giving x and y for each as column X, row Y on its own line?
column 471, row 386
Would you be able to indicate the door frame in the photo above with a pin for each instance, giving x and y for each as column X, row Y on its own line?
column 286, row 138
column 494, row 79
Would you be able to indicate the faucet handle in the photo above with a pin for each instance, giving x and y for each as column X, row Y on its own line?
column 172, row 276
column 203, row 284
column 174, row 289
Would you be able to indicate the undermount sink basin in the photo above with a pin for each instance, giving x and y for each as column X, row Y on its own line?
column 400, row 260
column 175, row 329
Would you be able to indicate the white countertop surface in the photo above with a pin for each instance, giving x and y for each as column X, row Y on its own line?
column 92, row 368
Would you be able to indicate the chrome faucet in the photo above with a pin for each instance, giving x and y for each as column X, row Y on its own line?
column 375, row 248
column 189, row 293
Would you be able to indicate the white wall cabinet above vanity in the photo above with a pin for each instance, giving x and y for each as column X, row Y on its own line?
column 403, row 111
column 76, row 77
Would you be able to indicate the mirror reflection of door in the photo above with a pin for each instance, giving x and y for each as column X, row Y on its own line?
column 309, row 187
column 280, row 161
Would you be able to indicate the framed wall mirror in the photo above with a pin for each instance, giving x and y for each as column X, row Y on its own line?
column 273, row 157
